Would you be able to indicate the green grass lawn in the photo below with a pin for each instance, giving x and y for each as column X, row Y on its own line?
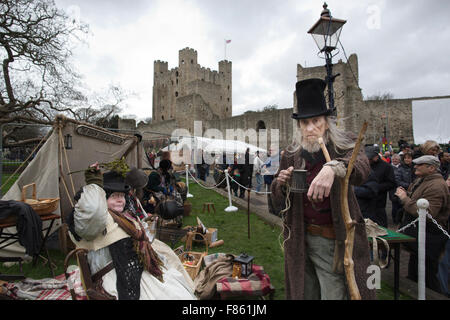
column 233, row 229
column 263, row 242
column 5, row 177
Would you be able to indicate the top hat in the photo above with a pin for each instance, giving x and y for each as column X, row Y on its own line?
column 114, row 182
column 310, row 99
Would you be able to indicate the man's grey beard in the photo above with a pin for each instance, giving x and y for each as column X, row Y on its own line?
column 311, row 147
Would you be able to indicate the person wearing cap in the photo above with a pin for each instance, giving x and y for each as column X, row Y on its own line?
column 131, row 267
column 314, row 232
column 137, row 180
column 385, row 177
column 431, row 186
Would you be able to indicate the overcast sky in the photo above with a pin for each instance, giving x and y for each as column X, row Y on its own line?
column 402, row 46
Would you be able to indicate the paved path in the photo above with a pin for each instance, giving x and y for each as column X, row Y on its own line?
column 258, row 205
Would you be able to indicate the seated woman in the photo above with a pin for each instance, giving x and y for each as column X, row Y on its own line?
column 118, row 241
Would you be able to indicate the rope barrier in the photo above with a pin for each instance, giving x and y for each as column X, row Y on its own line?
column 248, row 189
column 206, row 187
column 422, row 205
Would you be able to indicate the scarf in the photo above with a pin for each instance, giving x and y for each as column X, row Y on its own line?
column 147, row 256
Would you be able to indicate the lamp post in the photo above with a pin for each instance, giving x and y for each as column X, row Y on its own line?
column 326, row 32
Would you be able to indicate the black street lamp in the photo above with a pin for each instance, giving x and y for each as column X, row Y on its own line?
column 326, row 32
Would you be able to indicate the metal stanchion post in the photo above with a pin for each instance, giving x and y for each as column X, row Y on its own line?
column 187, row 182
column 230, row 207
column 422, row 205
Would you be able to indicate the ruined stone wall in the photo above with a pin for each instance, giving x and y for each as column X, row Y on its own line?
column 267, row 125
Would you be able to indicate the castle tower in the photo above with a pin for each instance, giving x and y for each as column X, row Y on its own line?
column 176, row 91
column 226, row 86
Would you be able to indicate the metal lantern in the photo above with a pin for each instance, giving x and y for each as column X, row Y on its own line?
column 327, row 30
column 246, row 262
column 68, row 141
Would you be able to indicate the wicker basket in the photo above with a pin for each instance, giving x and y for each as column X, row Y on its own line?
column 41, row 206
column 191, row 260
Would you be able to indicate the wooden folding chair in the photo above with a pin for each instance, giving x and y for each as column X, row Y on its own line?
column 91, row 283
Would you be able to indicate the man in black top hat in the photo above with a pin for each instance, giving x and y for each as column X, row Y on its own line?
column 314, row 229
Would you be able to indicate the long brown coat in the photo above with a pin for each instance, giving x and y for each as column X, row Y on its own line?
column 295, row 246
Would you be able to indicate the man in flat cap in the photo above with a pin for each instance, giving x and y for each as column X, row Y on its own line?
column 314, row 230
column 429, row 185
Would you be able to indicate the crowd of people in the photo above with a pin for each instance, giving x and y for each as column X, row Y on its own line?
column 406, row 176
column 393, row 176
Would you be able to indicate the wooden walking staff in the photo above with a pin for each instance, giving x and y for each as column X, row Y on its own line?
column 348, row 222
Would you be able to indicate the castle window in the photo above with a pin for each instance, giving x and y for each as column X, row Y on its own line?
column 226, row 109
column 176, row 93
column 176, row 73
column 228, row 99
column 260, row 125
column 162, row 117
column 228, row 87
column 177, row 81
column 192, row 61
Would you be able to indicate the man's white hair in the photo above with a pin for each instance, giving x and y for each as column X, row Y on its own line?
column 338, row 137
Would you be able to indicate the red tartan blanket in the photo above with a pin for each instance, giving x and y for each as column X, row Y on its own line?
column 257, row 284
column 46, row 289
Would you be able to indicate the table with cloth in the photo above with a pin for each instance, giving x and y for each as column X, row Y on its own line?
column 256, row 285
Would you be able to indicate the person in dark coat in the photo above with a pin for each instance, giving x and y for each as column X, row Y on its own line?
column 246, row 171
column 234, row 169
column 366, row 194
column 384, row 173
column 314, row 231
column 404, row 176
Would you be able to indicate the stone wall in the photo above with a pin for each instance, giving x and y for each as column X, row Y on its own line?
column 274, row 126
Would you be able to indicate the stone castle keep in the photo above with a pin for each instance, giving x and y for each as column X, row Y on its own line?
column 189, row 93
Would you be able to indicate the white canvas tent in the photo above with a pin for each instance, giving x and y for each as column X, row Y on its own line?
column 209, row 145
column 50, row 167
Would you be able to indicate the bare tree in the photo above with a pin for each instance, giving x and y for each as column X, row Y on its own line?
column 38, row 80
column 381, row 96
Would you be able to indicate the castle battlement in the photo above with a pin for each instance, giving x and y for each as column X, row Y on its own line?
column 188, row 78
